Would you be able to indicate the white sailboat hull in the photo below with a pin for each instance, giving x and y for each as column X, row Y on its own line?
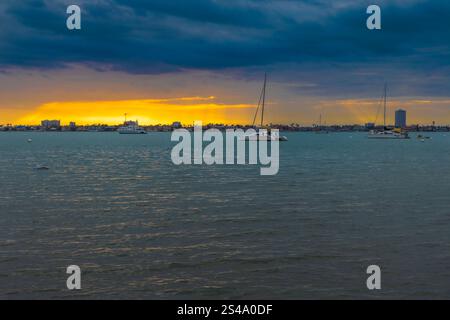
column 388, row 135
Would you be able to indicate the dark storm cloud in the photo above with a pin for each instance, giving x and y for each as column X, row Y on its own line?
column 156, row 36
column 237, row 13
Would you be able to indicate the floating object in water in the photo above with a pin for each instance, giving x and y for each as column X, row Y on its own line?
column 30, row 140
column 41, row 167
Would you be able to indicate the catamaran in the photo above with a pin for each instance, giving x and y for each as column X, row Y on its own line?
column 267, row 134
column 386, row 133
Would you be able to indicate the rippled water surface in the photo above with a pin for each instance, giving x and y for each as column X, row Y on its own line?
column 141, row 227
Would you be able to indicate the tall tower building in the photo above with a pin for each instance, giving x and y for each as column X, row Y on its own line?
column 400, row 118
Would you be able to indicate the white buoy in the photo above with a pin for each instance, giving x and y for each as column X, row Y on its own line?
column 30, row 140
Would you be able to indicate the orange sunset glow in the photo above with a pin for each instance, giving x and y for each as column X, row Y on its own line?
column 210, row 110
column 149, row 111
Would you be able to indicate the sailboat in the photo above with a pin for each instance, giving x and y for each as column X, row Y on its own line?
column 387, row 133
column 267, row 134
column 319, row 128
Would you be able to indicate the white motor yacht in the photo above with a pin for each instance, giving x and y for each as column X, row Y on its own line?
column 131, row 127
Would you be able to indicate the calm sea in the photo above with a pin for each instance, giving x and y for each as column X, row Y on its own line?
column 140, row 227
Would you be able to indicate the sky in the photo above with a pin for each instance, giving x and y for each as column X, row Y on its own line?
column 161, row 61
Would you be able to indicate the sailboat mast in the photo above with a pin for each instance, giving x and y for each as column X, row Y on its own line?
column 257, row 109
column 264, row 99
column 385, row 97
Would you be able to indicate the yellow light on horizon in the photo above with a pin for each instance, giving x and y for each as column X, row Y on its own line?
column 146, row 111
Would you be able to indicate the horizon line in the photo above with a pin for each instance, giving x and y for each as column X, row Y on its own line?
column 292, row 124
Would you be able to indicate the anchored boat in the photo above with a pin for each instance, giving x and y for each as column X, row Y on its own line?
column 397, row 133
column 131, row 127
column 266, row 134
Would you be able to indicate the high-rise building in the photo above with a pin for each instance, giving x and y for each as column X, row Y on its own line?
column 50, row 124
column 400, row 118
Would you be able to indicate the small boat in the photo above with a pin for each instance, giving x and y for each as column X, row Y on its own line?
column 41, row 167
column 319, row 128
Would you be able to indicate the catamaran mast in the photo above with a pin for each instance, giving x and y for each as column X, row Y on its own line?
column 385, row 95
column 264, row 99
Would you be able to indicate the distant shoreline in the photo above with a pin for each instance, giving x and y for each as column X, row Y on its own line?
column 169, row 128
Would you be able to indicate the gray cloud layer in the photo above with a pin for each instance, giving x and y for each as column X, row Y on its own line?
column 323, row 42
